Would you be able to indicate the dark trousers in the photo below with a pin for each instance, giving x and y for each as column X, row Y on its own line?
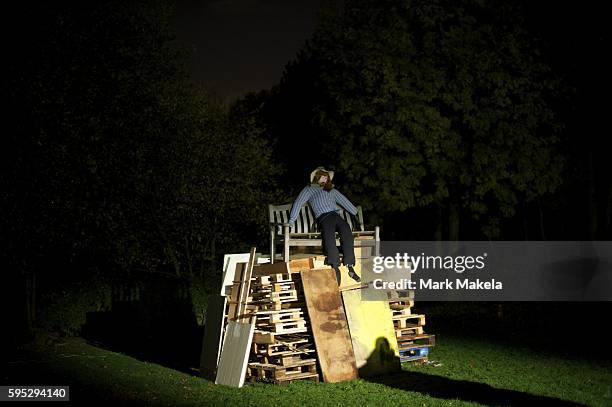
column 329, row 223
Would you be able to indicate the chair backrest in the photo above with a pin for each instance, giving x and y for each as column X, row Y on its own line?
column 306, row 221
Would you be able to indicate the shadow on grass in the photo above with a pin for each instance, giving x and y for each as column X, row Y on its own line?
column 446, row 388
column 159, row 326
column 539, row 326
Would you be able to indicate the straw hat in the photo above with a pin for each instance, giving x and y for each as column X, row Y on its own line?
column 312, row 174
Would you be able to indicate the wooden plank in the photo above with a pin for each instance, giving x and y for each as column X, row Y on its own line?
column 329, row 325
column 213, row 335
column 300, row 264
column 374, row 341
column 235, row 354
column 245, row 288
column 274, row 268
column 234, row 295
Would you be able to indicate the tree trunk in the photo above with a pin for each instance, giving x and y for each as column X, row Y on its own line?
column 592, row 201
column 453, row 221
column 439, row 223
column 608, row 226
column 28, row 291
column 525, row 224
column 542, row 227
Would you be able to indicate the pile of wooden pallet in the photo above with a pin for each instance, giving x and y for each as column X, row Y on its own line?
column 291, row 321
column 412, row 341
column 283, row 349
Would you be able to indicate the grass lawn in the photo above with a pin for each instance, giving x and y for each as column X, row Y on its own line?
column 473, row 372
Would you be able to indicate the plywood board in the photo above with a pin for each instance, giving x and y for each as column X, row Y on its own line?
column 213, row 335
column 235, row 354
column 329, row 325
column 372, row 332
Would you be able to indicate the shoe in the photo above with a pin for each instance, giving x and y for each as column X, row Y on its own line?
column 338, row 274
column 353, row 275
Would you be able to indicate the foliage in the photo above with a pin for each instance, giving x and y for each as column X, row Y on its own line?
column 431, row 103
column 65, row 311
column 114, row 158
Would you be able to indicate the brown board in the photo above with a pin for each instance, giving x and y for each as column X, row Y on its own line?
column 213, row 335
column 235, row 354
column 329, row 325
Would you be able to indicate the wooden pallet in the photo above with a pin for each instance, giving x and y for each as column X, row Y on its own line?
column 414, row 359
column 412, row 346
column 275, row 279
column 284, row 347
column 401, row 321
column 273, row 287
column 424, row 339
column 283, row 327
column 298, row 370
column 264, row 337
column 287, row 295
column 285, row 360
column 400, row 295
column 277, row 305
column 399, row 305
column 409, row 329
column 401, row 312
column 289, row 314
column 289, row 379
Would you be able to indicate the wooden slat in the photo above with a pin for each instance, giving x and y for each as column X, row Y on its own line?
column 245, row 287
column 329, row 325
column 234, row 297
column 305, row 221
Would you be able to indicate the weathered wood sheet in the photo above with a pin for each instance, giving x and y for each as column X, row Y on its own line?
column 329, row 325
column 213, row 335
column 372, row 332
column 235, row 354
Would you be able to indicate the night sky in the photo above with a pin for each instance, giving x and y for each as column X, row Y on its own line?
column 243, row 45
column 240, row 46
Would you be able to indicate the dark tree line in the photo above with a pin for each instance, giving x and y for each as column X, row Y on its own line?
column 450, row 120
column 444, row 119
column 113, row 163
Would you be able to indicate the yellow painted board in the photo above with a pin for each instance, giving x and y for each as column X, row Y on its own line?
column 372, row 332
column 346, row 281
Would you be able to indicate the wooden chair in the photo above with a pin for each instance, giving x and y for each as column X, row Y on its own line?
column 304, row 231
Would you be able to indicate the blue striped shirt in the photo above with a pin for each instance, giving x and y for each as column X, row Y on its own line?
column 320, row 201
